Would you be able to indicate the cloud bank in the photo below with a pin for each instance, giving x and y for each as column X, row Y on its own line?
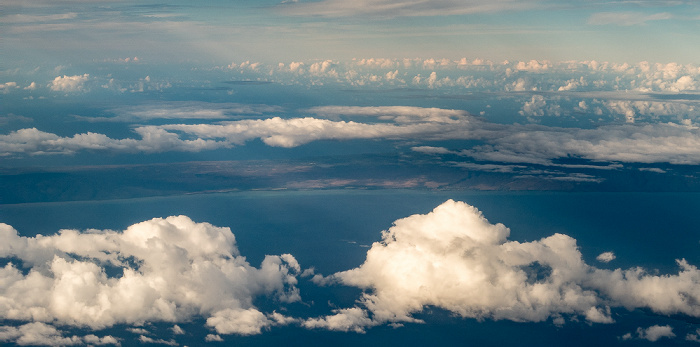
column 167, row 270
column 174, row 269
column 454, row 259
column 511, row 143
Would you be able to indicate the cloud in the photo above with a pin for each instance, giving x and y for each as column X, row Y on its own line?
column 31, row 86
column 632, row 110
column 185, row 110
column 349, row 319
column 537, row 107
column 626, row 18
column 399, row 114
column 695, row 337
column 605, row 257
column 652, row 333
column 454, row 259
column 213, row 338
column 146, row 339
column 139, row 331
column 505, row 143
column 431, row 150
column 650, row 143
column 74, row 83
column 166, row 270
column 7, row 87
column 177, row 330
column 37, row 333
column 279, row 132
column 153, row 139
column 24, row 18
column 400, row 8
column 533, row 66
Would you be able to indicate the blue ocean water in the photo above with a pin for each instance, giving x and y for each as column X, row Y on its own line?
column 331, row 230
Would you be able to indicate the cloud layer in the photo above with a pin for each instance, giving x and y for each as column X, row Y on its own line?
column 454, row 259
column 510, row 143
column 174, row 270
column 168, row 270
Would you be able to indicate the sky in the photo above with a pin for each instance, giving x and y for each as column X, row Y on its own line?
column 105, row 101
column 270, row 31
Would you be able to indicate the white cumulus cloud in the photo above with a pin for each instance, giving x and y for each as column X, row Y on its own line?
column 40, row 334
column 652, row 333
column 69, row 83
column 170, row 270
column 605, row 257
column 454, row 259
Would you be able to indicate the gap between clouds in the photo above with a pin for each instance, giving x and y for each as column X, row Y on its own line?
column 174, row 269
column 511, row 143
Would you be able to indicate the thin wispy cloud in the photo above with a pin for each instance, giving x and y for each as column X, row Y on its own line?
column 626, row 18
column 394, row 8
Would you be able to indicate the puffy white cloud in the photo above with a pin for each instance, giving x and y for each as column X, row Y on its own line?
column 533, row 66
column 683, row 83
column 213, row 338
column 171, row 270
column 177, row 330
column 238, row 321
column 7, row 87
column 244, row 65
column 40, row 334
column 454, row 259
column 323, row 67
column 348, row 319
column 652, row 333
column 520, row 85
column 633, row 110
column 605, row 257
column 538, row 107
column 139, row 331
column 31, row 86
column 69, row 83
column 573, row 84
column 695, row 337
column 296, row 67
column 378, row 63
